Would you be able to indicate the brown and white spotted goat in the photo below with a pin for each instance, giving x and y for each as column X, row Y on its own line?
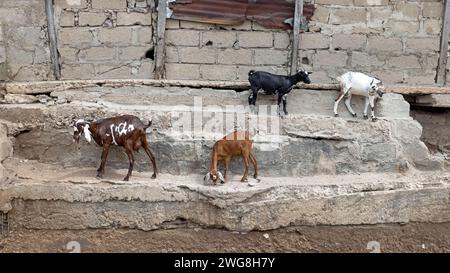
column 126, row 131
column 238, row 143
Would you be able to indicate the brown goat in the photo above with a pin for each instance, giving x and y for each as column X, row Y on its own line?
column 126, row 131
column 234, row 144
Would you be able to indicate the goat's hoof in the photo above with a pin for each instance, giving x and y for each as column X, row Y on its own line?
column 354, row 115
column 336, row 115
column 126, row 179
column 222, row 182
column 244, row 179
column 99, row 176
column 365, row 117
column 255, row 176
column 374, row 119
column 154, row 176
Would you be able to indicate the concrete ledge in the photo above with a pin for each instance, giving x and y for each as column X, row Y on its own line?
column 50, row 197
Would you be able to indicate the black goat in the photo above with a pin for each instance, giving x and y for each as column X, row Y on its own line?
column 273, row 84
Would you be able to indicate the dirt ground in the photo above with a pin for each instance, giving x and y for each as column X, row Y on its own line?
column 414, row 237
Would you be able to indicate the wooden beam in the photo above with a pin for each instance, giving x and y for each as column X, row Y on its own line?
column 296, row 35
column 443, row 51
column 50, row 12
column 160, row 51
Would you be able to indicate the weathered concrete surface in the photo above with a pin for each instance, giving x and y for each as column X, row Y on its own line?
column 50, row 197
column 308, row 142
column 6, row 149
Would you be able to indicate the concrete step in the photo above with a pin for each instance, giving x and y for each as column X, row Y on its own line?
column 48, row 196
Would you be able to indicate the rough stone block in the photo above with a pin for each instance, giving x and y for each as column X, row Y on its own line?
column 393, row 106
column 219, row 39
column 77, row 71
column 405, row 61
column 371, row 3
column 115, row 36
column 110, row 4
column 344, row 16
column 145, row 35
column 281, row 40
column 365, row 59
column 314, row 41
column 380, row 43
column 422, row 44
column 404, row 26
column 321, row 14
column 349, row 41
column 271, row 57
column 181, row 37
column 75, row 36
column 432, row 10
column 325, row 58
column 197, row 55
column 218, row 72
column 183, row 71
column 195, row 25
column 75, row 4
column 91, row 18
column 134, row 18
column 67, row 19
column 235, row 56
column 255, row 39
column 432, row 26
column 98, row 54
column 132, row 53
column 406, row 11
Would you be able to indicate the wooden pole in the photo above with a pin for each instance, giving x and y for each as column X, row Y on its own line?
column 296, row 35
column 50, row 12
column 160, row 52
column 443, row 53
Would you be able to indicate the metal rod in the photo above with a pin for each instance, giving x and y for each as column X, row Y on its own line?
column 50, row 12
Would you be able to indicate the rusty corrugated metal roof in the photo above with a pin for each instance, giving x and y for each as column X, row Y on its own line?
column 268, row 13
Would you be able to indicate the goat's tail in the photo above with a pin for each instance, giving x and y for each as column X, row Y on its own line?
column 148, row 125
column 251, row 72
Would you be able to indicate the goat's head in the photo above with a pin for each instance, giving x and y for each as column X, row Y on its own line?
column 214, row 176
column 377, row 86
column 303, row 76
column 81, row 127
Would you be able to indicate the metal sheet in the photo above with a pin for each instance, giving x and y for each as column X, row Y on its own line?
column 268, row 13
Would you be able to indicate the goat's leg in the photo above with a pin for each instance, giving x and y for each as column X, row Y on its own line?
column 347, row 102
column 336, row 103
column 366, row 106
column 226, row 163
column 372, row 107
column 101, row 169
column 130, row 155
column 252, row 99
column 284, row 104
column 151, row 156
column 246, row 156
column 255, row 164
column 280, row 98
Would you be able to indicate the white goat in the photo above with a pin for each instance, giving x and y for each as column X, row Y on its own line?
column 356, row 83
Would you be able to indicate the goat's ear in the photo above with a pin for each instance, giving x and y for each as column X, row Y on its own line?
column 87, row 133
column 206, row 177
column 309, row 72
column 220, row 176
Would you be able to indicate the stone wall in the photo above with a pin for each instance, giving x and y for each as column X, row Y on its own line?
column 396, row 40
column 24, row 51
column 435, row 127
column 105, row 39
